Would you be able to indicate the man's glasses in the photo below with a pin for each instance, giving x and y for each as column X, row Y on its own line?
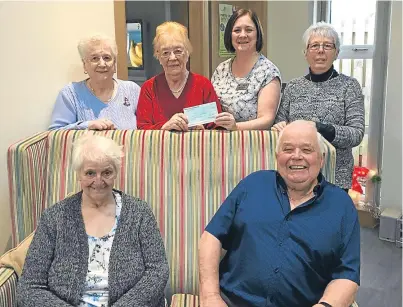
column 178, row 52
column 325, row 46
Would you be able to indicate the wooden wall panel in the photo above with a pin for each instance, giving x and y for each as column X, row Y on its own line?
column 121, row 40
column 199, row 37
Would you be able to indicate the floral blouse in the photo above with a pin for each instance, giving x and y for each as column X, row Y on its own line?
column 239, row 96
column 96, row 289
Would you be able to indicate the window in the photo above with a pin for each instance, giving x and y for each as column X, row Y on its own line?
column 363, row 26
column 356, row 27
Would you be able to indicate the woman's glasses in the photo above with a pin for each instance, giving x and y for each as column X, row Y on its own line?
column 325, row 46
column 178, row 52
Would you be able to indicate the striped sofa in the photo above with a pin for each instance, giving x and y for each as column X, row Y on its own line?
column 183, row 176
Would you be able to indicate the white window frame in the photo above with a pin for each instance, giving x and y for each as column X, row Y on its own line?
column 378, row 52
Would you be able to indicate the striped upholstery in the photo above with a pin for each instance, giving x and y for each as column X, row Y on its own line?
column 190, row 300
column 183, row 176
column 185, row 300
column 8, row 287
column 26, row 173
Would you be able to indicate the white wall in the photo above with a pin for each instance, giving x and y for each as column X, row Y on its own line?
column 38, row 56
column 391, row 194
column 286, row 22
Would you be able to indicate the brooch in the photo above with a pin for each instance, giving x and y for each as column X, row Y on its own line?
column 126, row 103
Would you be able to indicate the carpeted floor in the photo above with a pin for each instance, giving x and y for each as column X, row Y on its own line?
column 381, row 272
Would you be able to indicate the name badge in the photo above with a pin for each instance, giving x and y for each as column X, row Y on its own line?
column 242, row 87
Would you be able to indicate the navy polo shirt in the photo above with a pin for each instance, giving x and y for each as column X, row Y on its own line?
column 278, row 257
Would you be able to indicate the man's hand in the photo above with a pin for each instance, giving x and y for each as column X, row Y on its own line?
column 212, row 301
column 178, row 122
column 226, row 120
column 279, row 126
column 101, row 124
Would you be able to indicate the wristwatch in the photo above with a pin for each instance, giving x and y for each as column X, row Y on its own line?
column 325, row 304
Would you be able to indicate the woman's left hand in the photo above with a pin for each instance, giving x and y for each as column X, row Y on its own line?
column 198, row 127
column 279, row 126
column 226, row 120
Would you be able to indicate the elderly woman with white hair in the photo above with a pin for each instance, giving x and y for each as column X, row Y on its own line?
column 164, row 97
column 99, row 247
column 333, row 101
column 99, row 102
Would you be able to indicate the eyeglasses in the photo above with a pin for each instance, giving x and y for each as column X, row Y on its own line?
column 178, row 52
column 325, row 46
column 91, row 174
column 95, row 59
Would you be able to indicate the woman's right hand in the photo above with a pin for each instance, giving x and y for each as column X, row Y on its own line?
column 226, row 120
column 177, row 122
column 279, row 126
column 101, row 124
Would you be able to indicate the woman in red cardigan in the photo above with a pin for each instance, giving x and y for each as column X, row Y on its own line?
column 163, row 97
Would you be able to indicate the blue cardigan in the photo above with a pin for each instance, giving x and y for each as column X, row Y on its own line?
column 76, row 105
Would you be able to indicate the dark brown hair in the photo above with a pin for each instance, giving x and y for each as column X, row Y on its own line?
column 230, row 25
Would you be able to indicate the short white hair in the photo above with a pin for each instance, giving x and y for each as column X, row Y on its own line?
column 96, row 148
column 324, row 29
column 96, row 39
column 321, row 142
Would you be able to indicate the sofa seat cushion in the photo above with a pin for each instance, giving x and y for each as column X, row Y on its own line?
column 190, row 300
column 185, row 300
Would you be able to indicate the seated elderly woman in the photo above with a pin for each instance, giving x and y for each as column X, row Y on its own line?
column 248, row 84
column 99, row 247
column 99, row 102
column 163, row 97
column 332, row 101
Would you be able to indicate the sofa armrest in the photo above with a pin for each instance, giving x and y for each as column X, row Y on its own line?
column 8, row 287
column 26, row 164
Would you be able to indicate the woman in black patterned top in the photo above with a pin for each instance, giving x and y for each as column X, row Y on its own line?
column 333, row 101
column 248, row 84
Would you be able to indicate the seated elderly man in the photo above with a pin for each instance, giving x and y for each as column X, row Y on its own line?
column 292, row 238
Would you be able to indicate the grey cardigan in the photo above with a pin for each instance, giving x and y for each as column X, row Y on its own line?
column 56, row 266
column 339, row 102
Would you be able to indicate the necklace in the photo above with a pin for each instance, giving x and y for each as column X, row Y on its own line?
column 182, row 86
column 243, row 82
column 310, row 76
column 93, row 91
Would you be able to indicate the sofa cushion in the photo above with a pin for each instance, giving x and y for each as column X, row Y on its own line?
column 15, row 257
column 185, row 300
column 190, row 300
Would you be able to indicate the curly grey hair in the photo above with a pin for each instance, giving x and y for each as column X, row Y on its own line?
column 92, row 147
column 85, row 43
column 321, row 29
